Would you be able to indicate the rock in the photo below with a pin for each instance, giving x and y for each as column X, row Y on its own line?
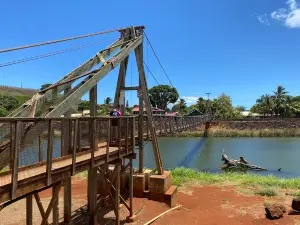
column 293, row 212
column 296, row 204
column 275, row 211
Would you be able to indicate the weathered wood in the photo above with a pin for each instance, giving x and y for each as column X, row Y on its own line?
column 85, row 87
column 229, row 163
column 55, row 210
column 67, row 200
column 135, row 88
column 29, row 210
column 126, row 135
column 40, row 206
column 139, row 60
column 141, row 133
column 133, row 135
column 119, row 136
column 92, row 195
column 131, row 188
column 15, row 160
column 108, row 140
column 75, row 145
column 49, row 151
column 117, row 197
column 52, row 202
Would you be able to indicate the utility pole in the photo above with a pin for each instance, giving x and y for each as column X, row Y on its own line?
column 207, row 102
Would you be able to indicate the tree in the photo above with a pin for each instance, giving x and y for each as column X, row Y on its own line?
column 107, row 101
column 8, row 102
column 240, row 108
column 162, row 95
column 83, row 105
column 127, row 104
column 201, row 105
column 3, row 112
column 44, row 86
column 280, row 96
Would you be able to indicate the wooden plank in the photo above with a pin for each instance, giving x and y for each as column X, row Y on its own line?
column 67, row 200
column 40, row 206
column 119, row 136
column 29, row 210
column 108, row 139
column 52, row 202
column 55, row 210
column 141, row 133
column 101, row 58
column 75, row 144
column 92, row 195
column 127, row 135
column 131, row 188
column 135, row 88
column 49, row 151
column 15, row 159
column 139, row 60
column 117, row 197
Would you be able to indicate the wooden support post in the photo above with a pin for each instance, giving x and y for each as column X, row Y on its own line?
column 52, row 202
column 139, row 59
column 108, row 140
column 160, row 125
column 40, row 206
column 119, row 136
column 141, row 135
column 75, row 144
column 49, row 152
column 66, row 128
column 40, row 149
column 133, row 135
column 117, row 197
column 92, row 195
column 127, row 135
column 131, row 189
column 29, row 210
column 15, row 160
column 94, row 143
column 55, row 210
column 67, row 200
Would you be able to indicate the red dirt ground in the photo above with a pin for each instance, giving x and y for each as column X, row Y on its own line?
column 200, row 205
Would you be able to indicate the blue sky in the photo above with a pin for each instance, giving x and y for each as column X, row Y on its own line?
column 242, row 48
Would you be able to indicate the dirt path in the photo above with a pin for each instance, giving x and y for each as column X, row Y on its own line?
column 200, row 205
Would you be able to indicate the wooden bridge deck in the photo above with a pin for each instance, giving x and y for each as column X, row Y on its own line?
column 33, row 177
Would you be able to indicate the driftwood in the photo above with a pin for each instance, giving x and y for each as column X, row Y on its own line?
column 242, row 163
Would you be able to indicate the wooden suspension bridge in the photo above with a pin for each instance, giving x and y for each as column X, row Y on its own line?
column 66, row 146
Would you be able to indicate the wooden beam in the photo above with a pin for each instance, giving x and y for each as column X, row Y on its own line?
column 108, row 139
column 84, row 88
column 141, row 133
column 55, row 210
column 131, row 188
column 92, row 195
column 133, row 135
column 135, row 88
column 29, row 210
column 117, row 198
column 49, row 152
column 52, row 202
column 67, row 200
column 75, row 145
column 15, row 159
column 40, row 149
column 139, row 60
column 40, row 206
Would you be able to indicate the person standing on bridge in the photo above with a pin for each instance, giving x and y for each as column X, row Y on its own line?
column 115, row 123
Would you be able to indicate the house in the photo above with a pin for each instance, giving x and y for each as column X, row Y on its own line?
column 194, row 112
column 249, row 114
column 155, row 111
column 171, row 114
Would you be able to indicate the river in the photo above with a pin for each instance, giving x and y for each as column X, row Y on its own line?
column 205, row 153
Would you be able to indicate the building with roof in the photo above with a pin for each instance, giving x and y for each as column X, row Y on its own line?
column 155, row 111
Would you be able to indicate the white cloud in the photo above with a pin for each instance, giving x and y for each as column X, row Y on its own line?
column 263, row 19
column 190, row 99
column 290, row 16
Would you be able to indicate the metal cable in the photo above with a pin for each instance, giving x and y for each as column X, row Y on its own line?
column 158, row 58
column 60, row 40
column 48, row 54
column 151, row 72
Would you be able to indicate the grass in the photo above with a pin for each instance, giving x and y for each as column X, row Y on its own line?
column 288, row 132
column 269, row 192
column 183, row 175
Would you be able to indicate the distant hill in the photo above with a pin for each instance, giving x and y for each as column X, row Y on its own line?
column 15, row 91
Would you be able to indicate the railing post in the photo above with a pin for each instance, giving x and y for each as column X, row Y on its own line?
column 160, row 125
column 119, row 136
column 49, row 152
column 93, row 141
column 15, row 160
column 75, row 144
column 133, row 135
column 126, row 135
column 108, row 139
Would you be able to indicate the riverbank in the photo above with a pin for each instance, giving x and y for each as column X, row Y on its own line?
column 223, row 132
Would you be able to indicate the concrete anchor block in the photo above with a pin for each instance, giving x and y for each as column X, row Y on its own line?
column 160, row 183
column 138, row 185
column 171, row 196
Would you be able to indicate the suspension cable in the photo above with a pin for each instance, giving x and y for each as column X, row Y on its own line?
column 59, row 40
column 151, row 72
column 157, row 58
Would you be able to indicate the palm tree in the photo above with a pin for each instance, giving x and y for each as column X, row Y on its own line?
column 107, row 100
column 279, row 96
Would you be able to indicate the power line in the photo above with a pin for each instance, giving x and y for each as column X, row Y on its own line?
column 59, row 40
column 151, row 73
column 48, row 54
column 158, row 59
